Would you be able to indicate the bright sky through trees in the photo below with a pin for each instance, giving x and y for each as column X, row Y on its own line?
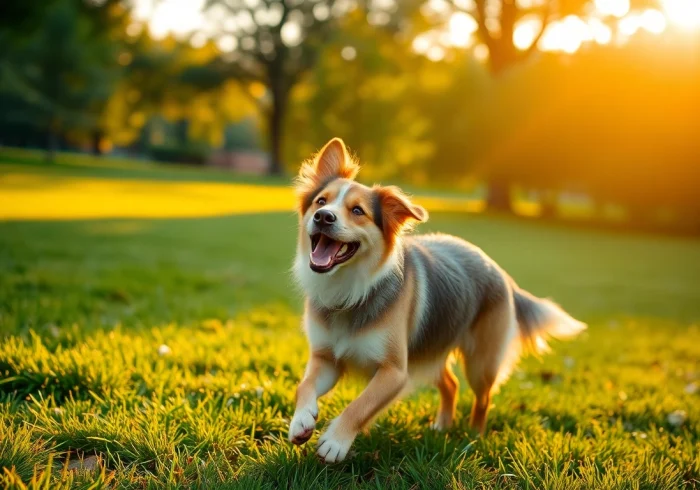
column 183, row 17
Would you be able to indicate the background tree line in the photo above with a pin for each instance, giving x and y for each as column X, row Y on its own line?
column 616, row 122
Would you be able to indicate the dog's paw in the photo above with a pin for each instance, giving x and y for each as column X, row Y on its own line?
column 443, row 422
column 302, row 426
column 333, row 446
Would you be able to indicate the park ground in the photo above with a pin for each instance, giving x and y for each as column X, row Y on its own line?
column 149, row 338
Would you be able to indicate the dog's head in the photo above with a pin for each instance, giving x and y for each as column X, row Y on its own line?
column 344, row 224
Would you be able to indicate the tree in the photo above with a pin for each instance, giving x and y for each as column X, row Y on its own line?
column 275, row 43
column 64, row 69
column 614, row 122
column 497, row 21
column 364, row 89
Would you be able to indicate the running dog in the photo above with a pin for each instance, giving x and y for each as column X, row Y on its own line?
column 397, row 306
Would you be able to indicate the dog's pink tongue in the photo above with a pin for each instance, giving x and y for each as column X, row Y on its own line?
column 325, row 251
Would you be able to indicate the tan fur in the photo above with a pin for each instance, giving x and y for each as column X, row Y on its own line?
column 494, row 333
column 332, row 161
column 399, row 213
column 447, row 385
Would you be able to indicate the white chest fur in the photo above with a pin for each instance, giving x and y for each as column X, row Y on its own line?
column 363, row 349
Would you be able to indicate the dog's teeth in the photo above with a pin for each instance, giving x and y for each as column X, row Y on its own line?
column 343, row 249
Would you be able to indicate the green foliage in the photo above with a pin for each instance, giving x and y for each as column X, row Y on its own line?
column 369, row 101
column 87, row 307
column 63, row 70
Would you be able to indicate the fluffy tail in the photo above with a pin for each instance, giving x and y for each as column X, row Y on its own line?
column 540, row 319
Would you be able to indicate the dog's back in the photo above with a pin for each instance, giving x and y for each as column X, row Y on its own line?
column 456, row 281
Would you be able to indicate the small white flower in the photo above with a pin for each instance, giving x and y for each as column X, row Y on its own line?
column 691, row 388
column 164, row 350
column 259, row 391
column 54, row 331
column 677, row 418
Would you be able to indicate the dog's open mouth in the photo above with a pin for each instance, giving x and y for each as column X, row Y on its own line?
column 326, row 252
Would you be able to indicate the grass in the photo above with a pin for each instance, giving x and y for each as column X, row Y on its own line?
column 165, row 349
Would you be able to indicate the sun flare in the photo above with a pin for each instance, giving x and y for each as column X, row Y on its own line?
column 609, row 21
column 683, row 13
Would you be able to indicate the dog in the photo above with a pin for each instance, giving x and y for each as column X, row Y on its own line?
column 397, row 306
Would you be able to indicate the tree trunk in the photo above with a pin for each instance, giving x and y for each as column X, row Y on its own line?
column 549, row 201
column 96, row 138
column 498, row 198
column 51, row 144
column 276, row 127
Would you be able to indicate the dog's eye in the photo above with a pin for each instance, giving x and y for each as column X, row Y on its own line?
column 321, row 201
column 358, row 211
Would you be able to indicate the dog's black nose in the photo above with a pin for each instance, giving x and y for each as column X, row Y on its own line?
column 324, row 217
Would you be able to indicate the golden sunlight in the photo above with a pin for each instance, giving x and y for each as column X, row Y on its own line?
column 461, row 27
column 178, row 17
column 27, row 196
column 616, row 8
column 526, row 31
column 683, row 13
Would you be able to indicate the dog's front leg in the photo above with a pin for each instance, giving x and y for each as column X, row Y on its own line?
column 322, row 373
column 386, row 385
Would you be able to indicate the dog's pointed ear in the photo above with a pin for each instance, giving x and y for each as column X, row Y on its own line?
column 397, row 211
column 332, row 162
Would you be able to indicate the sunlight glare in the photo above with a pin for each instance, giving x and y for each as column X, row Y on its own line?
column 291, row 34
column 227, row 43
column 421, row 43
column 566, row 35
column 435, row 53
column 461, row 27
column 525, row 33
column 179, row 17
column 602, row 34
column 481, row 52
column 629, row 25
column 683, row 13
column 616, row 8
column 653, row 21
column 348, row 53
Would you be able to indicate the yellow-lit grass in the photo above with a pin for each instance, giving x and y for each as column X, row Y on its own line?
column 33, row 196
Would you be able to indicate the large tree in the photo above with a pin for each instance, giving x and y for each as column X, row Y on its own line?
column 365, row 89
column 497, row 21
column 275, row 43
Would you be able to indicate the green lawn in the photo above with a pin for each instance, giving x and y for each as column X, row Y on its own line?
column 170, row 350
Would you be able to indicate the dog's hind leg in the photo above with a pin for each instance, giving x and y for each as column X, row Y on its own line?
column 448, row 385
column 490, row 350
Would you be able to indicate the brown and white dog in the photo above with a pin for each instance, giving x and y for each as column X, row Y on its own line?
column 396, row 307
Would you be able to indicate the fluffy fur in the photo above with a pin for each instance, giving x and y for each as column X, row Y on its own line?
column 398, row 307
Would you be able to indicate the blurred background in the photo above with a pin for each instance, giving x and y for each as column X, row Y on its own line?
column 585, row 110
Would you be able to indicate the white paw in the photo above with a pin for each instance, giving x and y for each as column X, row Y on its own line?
column 442, row 423
column 332, row 447
column 301, row 428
